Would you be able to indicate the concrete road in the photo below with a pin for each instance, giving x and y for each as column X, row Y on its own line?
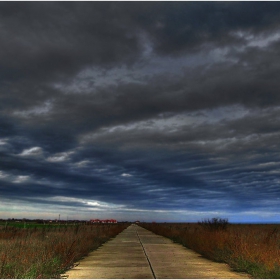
column 137, row 253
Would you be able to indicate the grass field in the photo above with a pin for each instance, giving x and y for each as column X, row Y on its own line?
column 42, row 224
column 46, row 251
column 250, row 248
column 30, row 250
column 33, row 225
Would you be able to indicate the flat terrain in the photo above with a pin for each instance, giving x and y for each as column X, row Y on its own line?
column 138, row 253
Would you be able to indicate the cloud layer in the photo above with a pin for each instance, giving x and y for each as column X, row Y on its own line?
column 145, row 110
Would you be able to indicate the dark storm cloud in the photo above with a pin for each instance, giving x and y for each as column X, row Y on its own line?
column 177, row 27
column 59, row 38
column 47, row 39
column 140, row 106
column 221, row 85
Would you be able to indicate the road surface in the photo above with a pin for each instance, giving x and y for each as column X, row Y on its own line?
column 137, row 253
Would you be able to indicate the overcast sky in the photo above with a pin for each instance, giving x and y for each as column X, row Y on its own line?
column 151, row 111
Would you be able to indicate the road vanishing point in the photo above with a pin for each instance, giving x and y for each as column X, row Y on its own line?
column 137, row 253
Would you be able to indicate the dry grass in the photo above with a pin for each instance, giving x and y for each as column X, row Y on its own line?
column 249, row 248
column 46, row 253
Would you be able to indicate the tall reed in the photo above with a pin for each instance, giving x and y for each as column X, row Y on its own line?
column 48, row 252
column 254, row 249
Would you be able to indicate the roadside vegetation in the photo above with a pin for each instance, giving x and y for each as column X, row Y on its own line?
column 46, row 252
column 250, row 248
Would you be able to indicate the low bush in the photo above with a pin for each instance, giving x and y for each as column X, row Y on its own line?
column 214, row 224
